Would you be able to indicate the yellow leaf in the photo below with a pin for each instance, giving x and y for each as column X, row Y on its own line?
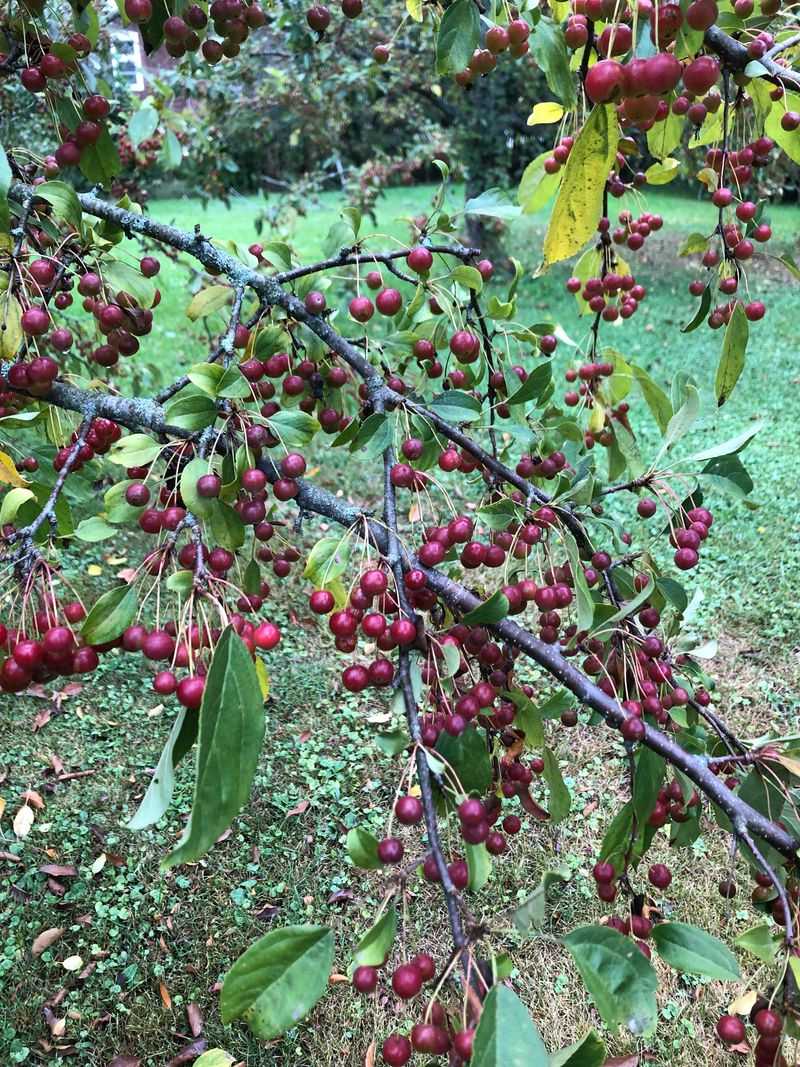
column 663, row 172
column 2, row 807
column 23, row 821
column 544, row 112
column 580, row 199
column 709, row 178
column 414, row 8
column 597, row 419
column 72, row 963
column 10, row 326
column 94, row 570
column 207, row 301
column 9, row 475
column 743, row 1005
column 263, row 678
column 215, row 1057
column 791, row 765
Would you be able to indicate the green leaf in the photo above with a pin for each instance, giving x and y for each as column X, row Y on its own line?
column 479, row 864
column 549, row 49
column 534, row 385
column 64, row 200
column 528, row 718
column 142, row 124
column 458, row 36
column 362, row 848
column 699, row 316
column 392, row 742
column 664, row 137
column 729, row 447
column 226, row 526
column 190, row 475
column 230, row 735
column 191, row 411
column 531, row 914
column 682, row 421
column 492, row 610
column 94, row 529
column 124, row 278
column 327, row 560
column 617, row 837
column 693, row 951
column 207, row 301
column 12, row 501
column 762, row 941
column 506, row 1035
column 583, row 596
column 100, row 161
column 560, row 800
column 5, row 185
column 112, row 613
column 456, row 406
column 162, row 785
column 654, row 396
column 590, row 1051
column 293, row 428
column 171, row 151
column 649, row 774
column 536, row 186
column 573, row 220
column 135, row 450
column 494, row 203
column 621, row 981
column 468, row 756
column 469, row 277
column 731, row 362
column 206, row 376
column 278, row 980
column 374, row 947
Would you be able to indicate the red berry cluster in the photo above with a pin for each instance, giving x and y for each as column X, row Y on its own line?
column 768, row 1024
column 231, row 20
column 512, row 38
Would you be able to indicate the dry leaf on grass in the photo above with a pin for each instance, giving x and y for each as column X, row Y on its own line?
column 45, row 939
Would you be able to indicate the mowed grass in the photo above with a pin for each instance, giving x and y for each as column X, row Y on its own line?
column 154, row 943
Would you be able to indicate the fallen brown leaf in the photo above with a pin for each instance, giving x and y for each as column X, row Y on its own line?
column 195, row 1018
column 10, row 857
column 165, row 997
column 42, row 718
column 369, row 1059
column 298, row 809
column 59, row 870
column 57, row 764
column 188, row 1053
column 125, row 1061
column 622, row 1061
column 45, row 939
column 30, row 796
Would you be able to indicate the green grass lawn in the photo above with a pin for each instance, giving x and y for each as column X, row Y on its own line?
column 150, row 944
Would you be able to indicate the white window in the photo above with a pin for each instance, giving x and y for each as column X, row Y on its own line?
column 126, row 52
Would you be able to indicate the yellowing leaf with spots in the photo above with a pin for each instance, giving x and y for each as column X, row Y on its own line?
column 9, row 475
column 580, row 199
column 263, row 678
column 10, row 326
column 544, row 112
